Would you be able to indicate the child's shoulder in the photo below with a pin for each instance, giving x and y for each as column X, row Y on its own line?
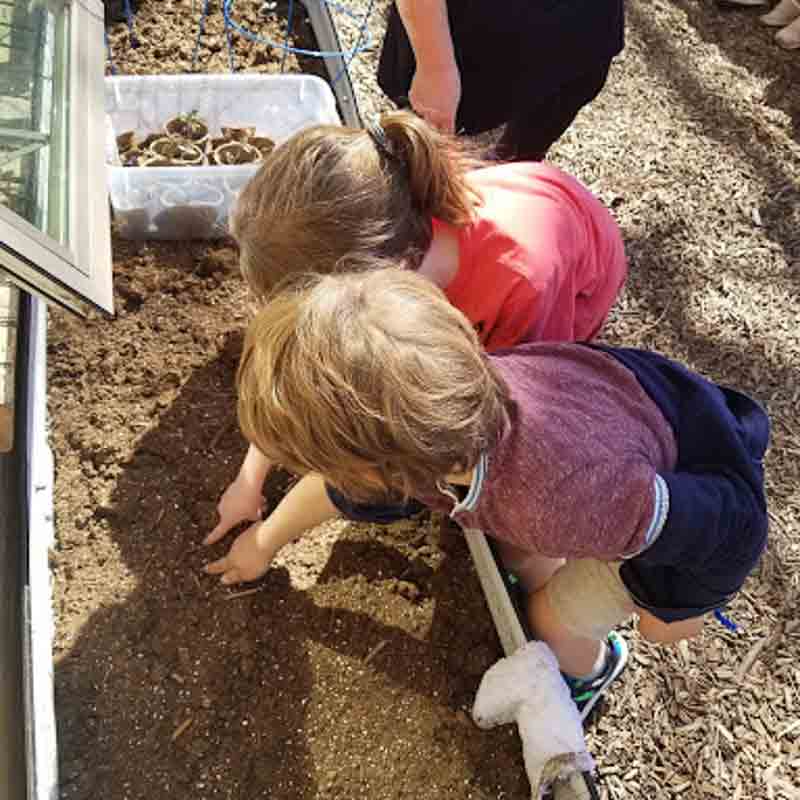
column 521, row 176
column 566, row 367
column 530, row 195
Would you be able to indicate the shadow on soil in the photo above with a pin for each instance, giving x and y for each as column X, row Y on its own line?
column 184, row 689
column 666, row 282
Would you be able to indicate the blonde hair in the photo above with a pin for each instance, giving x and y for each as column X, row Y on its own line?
column 333, row 197
column 371, row 379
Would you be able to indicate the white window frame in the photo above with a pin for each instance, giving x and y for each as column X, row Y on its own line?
column 79, row 275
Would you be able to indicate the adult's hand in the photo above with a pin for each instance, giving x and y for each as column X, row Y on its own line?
column 435, row 94
column 435, row 90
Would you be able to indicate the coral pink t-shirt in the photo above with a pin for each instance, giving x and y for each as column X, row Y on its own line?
column 542, row 261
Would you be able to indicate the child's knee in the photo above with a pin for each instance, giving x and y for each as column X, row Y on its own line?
column 541, row 617
column 546, row 620
column 655, row 630
column 584, row 597
column 531, row 569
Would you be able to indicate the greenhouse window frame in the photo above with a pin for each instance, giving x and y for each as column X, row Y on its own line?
column 77, row 274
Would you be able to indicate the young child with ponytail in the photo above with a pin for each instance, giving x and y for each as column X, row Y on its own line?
column 523, row 249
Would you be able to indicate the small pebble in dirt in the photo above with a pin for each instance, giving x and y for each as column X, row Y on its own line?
column 203, row 514
column 185, row 659
column 247, row 666
column 463, row 718
column 104, row 511
column 164, row 400
column 407, row 589
column 239, row 613
column 244, row 645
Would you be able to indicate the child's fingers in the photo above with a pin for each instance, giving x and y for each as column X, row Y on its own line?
column 219, row 566
column 218, row 532
column 232, row 576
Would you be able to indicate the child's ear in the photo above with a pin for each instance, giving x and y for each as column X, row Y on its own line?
column 459, row 476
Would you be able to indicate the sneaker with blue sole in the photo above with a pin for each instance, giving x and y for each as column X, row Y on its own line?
column 507, row 602
column 587, row 693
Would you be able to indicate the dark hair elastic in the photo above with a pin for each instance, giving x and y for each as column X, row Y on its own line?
column 378, row 136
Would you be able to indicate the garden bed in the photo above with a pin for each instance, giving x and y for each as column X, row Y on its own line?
column 372, row 639
column 354, row 662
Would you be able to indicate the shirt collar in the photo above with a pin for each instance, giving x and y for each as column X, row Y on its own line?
column 473, row 494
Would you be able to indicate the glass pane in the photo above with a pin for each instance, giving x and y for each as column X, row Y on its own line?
column 33, row 108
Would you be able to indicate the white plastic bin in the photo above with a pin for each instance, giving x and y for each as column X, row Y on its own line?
column 193, row 202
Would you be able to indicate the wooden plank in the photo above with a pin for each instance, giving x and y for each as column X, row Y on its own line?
column 6, row 428
column 508, row 626
column 512, row 637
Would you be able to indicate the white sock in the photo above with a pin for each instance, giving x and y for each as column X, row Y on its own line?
column 599, row 665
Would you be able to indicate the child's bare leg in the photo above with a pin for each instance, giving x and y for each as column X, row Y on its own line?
column 578, row 656
column 654, row 630
column 576, row 610
column 532, row 570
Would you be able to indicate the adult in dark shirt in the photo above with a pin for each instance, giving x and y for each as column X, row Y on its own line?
column 469, row 66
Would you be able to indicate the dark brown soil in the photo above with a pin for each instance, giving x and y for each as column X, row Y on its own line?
column 349, row 672
column 165, row 35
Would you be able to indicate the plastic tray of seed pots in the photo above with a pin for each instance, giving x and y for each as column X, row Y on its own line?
column 181, row 147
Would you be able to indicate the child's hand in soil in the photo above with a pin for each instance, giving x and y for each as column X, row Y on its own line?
column 241, row 501
column 248, row 559
column 305, row 506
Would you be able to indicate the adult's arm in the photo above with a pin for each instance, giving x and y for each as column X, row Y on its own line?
column 436, row 87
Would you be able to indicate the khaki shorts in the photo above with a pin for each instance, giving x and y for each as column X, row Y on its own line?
column 589, row 597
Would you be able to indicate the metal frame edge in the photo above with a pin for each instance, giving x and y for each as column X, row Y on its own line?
column 328, row 39
column 38, row 667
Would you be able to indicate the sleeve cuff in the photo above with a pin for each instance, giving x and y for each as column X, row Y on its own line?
column 381, row 513
column 660, row 514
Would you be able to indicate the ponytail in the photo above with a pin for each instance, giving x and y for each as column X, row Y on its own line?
column 436, row 167
column 338, row 199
